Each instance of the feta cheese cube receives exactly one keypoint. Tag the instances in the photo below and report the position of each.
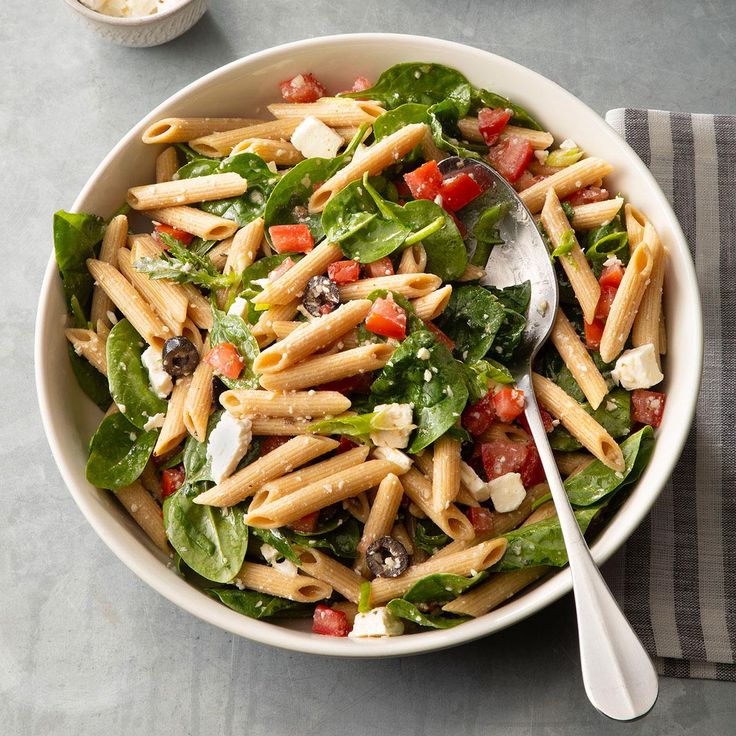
(315, 139)
(474, 483)
(395, 456)
(376, 622)
(637, 368)
(507, 492)
(392, 425)
(239, 308)
(156, 421)
(227, 444)
(160, 380)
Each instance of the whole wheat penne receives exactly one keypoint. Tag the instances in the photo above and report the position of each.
(410, 285)
(181, 130)
(266, 579)
(589, 216)
(357, 506)
(413, 260)
(323, 369)
(432, 305)
(332, 111)
(197, 222)
(383, 512)
(244, 248)
(578, 360)
(173, 430)
(340, 578)
(538, 138)
(146, 512)
(102, 330)
(541, 513)
(167, 164)
(283, 327)
(662, 334)
(114, 238)
(186, 191)
(280, 426)
(578, 422)
(325, 492)
(430, 150)
(89, 345)
(149, 479)
(446, 476)
(425, 463)
(635, 223)
(570, 463)
(276, 313)
(198, 307)
(400, 533)
(471, 273)
(564, 182)
(646, 328)
(465, 562)
(582, 279)
(198, 401)
(288, 456)
(376, 158)
(312, 336)
(222, 143)
(245, 402)
(282, 153)
(218, 254)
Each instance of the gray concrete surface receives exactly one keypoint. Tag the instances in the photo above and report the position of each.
(85, 647)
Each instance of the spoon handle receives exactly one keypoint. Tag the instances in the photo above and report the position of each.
(618, 674)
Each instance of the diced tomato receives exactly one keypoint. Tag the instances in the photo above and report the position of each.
(480, 517)
(441, 336)
(459, 190)
(271, 443)
(181, 235)
(171, 480)
(302, 88)
(402, 189)
(612, 275)
(281, 269)
(345, 444)
(291, 238)
(546, 420)
(511, 156)
(647, 407)
(479, 416)
(360, 84)
(509, 403)
(608, 294)
(531, 469)
(424, 182)
(329, 622)
(526, 180)
(587, 195)
(381, 267)
(357, 384)
(501, 457)
(594, 333)
(491, 122)
(307, 524)
(344, 272)
(386, 318)
(225, 360)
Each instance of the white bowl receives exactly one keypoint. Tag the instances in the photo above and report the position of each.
(244, 87)
(145, 31)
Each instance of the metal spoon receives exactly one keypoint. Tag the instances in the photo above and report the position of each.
(618, 674)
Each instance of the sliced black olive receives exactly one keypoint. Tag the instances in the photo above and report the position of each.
(387, 558)
(179, 356)
(218, 387)
(321, 296)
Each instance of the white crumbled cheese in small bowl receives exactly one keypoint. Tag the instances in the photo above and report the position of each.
(130, 8)
(507, 492)
(377, 622)
(227, 445)
(637, 368)
(160, 380)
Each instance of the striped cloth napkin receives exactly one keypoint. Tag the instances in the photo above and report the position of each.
(676, 576)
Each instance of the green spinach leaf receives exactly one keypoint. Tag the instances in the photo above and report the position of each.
(231, 328)
(441, 587)
(278, 541)
(429, 537)
(485, 98)
(358, 426)
(342, 541)
(90, 380)
(260, 605)
(404, 609)
(516, 297)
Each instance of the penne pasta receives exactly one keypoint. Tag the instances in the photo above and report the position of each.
(432, 305)
(89, 345)
(266, 579)
(410, 285)
(186, 191)
(282, 153)
(181, 130)
(173, 430)
(446, 473)
(648, 320)
(167, 164)
(280, 426)
(337, 576)
(264, 328)
(223, 142)
(114, 239)
(570, 463)
(333, 111)
(383, 512)
(198, 401)
(413, 260)
(146, 512)
(596, 214)
(197, 222)
(539, 139)
(245, 402)
(635, 223)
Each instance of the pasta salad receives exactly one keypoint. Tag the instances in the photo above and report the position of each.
(303, 372)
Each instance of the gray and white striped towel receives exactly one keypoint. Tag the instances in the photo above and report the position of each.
(676, 577)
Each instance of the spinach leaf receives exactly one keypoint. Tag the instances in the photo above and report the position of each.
(393, 120)
(607, 240)
(186, 152)
(481, 373)
(420, 83)
(486, 233)
(211, 540)
(128, 376)
(509, 335)
(516, 297)
(90, 380)
(441, 587)
(359, 426)
(75, 238)
(403, 609)
(429, 537)
(260, 605)
(443, 119)
(472, 319)
(567, 241)
(439, 401)
(232, 328)
(257, 271)
(278, 541)
(485, 98)
(118, 452)
(342, 541)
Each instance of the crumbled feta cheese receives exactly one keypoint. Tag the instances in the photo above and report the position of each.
(111, 316)
(612, 261)
(507, 492)
(228, 443)
(637, 368)
(427, 376)
(393, 425)
(376, 622)
(568, 144)
(239, 307)
(474, 483)
(423, 354)
(156, 421)
(395, 456)
(159, 379)
(285, 567)
(130, 8)
(315, 139)
(541, 156)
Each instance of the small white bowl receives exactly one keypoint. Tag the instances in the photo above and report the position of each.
(144, 31)
(244, 88)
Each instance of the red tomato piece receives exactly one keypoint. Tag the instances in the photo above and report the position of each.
(344, 272)
(501, 457)
(358, 384)
(225, 360)
(491, 122)
(546, 420)
(291, 238)
(171, 480)
(329, 622)
(509, 403)
(594, 333)
(381, 267)
(441, 336)
(526, 180)
(479, 416)
(302, 88)
(612, 275)
(587, 195)
(647, 407)
(531, 469)
(511, 156)
(271, 443)
(345, 444)
(608, 294)
(307, 524)
(281, 269)
(181, 235)
(459, 190)
(386, 318)
(480, 517)
(402, 189)
(425, 182)
(360, 84)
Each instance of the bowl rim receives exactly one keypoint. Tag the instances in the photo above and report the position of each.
(138, 558)
(137, 20)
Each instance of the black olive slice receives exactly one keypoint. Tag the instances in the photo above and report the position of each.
(387, 558)
(321, 296)
(179, 356)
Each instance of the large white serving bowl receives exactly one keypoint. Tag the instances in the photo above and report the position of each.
(245, 87)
